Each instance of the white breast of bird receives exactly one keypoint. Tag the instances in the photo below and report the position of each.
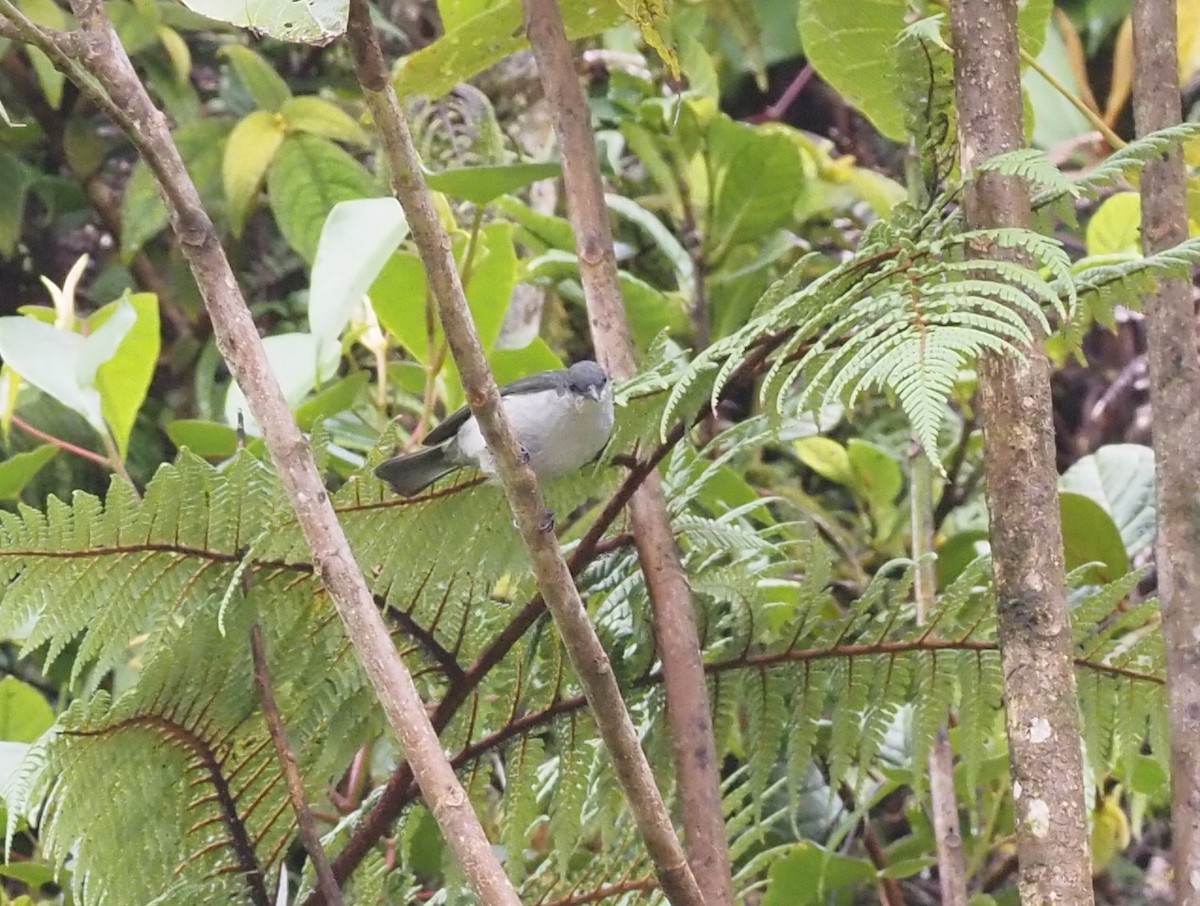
(561, 432)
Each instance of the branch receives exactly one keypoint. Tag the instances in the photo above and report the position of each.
(693, 745)
(1033, 621)
(1174, 389)
(238, 340)
(520, 485)
(307, 827)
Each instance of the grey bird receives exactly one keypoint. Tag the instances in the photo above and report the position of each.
(562, 420)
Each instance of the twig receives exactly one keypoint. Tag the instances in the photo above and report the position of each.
(125, 97)
(520, 484)
(689, 713)
(69, 447)
(306, 826)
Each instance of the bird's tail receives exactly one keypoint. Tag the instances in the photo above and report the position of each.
(414, 472)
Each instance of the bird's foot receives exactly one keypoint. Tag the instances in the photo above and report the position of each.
(523, 454)
(547, 522)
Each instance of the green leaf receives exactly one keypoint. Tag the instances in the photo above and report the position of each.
(264, 84)
(1120, 478)
(398, 296)
(827, 458)
(487, 38)
(32, 874)
(124, 380)
(251, 149)
(136, 24)
(19, 468)
(63, 364)
(509, 365)
(317, 116)
(24, 713)
(357, 240)
(878, 479)
(337, 397)
(1116, 227)
(808, 874)
(483, 185)
(1089, 534)
(850, 46)
(312, 22)
(14, 183)
(493, 274)
(757, 175)
(957, 552)
(50, 14)
(143, 214)
(307, 178)
(212, 440)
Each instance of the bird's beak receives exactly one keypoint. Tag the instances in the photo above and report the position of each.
(595, 392)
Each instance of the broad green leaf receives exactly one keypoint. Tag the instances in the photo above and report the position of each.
(509, 365)
(33, 875)
(14, 184)
(300, 364)
(19, 468)
(483, 185)
(660, 235)
(264, 84)
(337, 397)
(850, 46)
(809, 874)
(827, 458)
(136, 24)
(143, 214)
(544, 230)
(178, 53)
(399, 296)
(307, 178)
(757, 174)
(957, 552)
(124, 380)
(1089, 534)
(878, 479)
(1115, 228)
(63, 364)
(489, 285)
(317, 116)
(24, 712)
(358, 238)
(251, 148)
(455, 12)
(1055, 119)
(1119, 477)
(295, 21)
(487, 38)
(212, 440)
(50, 14)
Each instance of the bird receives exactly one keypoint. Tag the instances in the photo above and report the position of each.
(562, 419)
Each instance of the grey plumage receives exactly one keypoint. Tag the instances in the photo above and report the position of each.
(562, 419)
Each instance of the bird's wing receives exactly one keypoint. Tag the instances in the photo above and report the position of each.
(545, 380)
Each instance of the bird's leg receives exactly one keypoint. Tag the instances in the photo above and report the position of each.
(547, 522)
(523, 454)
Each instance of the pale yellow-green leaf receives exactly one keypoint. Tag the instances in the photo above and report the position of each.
(178, 52)
(649, 16)
(317, 116)
(252, 146)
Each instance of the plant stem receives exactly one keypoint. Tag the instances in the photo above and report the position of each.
(69, 447)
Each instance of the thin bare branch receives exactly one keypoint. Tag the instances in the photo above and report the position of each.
(306, 825)
(520, 485)
(125, 98)
(688, 710)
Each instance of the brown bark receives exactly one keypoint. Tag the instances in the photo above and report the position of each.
(1174, 390)
(1042, 717)
(520, 485)
(688, 710)
(102, 55)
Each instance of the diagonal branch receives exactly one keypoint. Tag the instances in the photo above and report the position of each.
(692, 742)
(520, 485)
(126, 99)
